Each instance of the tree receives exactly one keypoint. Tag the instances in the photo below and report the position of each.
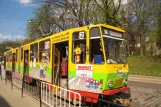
(73, 12)
(66, 14)
(110, 11)
(42, 24)
(142, 14)
(158, 32)
(5, 45)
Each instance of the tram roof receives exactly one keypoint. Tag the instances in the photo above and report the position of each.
(88, 26)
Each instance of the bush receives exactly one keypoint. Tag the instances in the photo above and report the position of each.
(145, 65)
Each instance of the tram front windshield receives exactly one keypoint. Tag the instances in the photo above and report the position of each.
(115, 50)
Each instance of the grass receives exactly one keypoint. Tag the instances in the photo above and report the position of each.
(146, 65)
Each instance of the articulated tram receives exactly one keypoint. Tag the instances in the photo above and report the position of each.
(90, 60)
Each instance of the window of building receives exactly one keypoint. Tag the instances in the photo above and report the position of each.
(79, 47)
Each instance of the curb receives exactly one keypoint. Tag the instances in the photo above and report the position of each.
(145, 79)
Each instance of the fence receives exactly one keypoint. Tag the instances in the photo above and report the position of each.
(32, 88)
(17, 79)
(55, 96)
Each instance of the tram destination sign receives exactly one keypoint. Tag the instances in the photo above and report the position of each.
(112, 33)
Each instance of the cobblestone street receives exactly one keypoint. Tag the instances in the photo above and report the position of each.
(146, 94)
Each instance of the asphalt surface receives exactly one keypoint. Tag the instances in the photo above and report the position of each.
(145, 85)
(145, 94)
(12, 97)
(145, 79)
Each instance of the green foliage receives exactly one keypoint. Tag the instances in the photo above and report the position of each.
(145, 65)
(110, 11)
(158, 35)
(41, 24)
(8, 44)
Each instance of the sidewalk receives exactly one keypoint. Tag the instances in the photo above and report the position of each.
(145, 79)
(12, 97)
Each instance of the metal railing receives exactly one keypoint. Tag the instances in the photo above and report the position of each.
(32, 89)
(8, 76)
(17, 79)
(55, 96)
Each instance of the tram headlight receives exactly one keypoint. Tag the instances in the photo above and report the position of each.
(110, 84)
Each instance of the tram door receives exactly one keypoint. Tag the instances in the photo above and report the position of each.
(56, 65)
(60, 64)
(13, 62)
(26, 63)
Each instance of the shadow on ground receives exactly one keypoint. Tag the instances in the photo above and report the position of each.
(3, 102)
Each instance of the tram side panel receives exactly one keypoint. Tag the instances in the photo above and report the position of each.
(17, 61)
(40, 60)
(9, 61)
(21, 56)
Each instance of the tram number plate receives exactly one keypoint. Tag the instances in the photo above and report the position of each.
(118, 82)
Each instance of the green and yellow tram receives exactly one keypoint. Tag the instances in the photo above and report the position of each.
(90, 60)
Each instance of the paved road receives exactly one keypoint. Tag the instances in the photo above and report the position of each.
(146, 94)
(12, 98)
(143, 94)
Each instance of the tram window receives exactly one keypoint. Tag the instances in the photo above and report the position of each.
(34, 52)
(79, 47)
(16, 55)
(6, 57)
(10, 56)
(44, 50)
(21, 54)
(115, 51)
(96, 50)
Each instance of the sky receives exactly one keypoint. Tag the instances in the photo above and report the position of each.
(14, 15)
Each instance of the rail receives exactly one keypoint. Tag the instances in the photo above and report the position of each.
(53, 96)
(17, 79)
